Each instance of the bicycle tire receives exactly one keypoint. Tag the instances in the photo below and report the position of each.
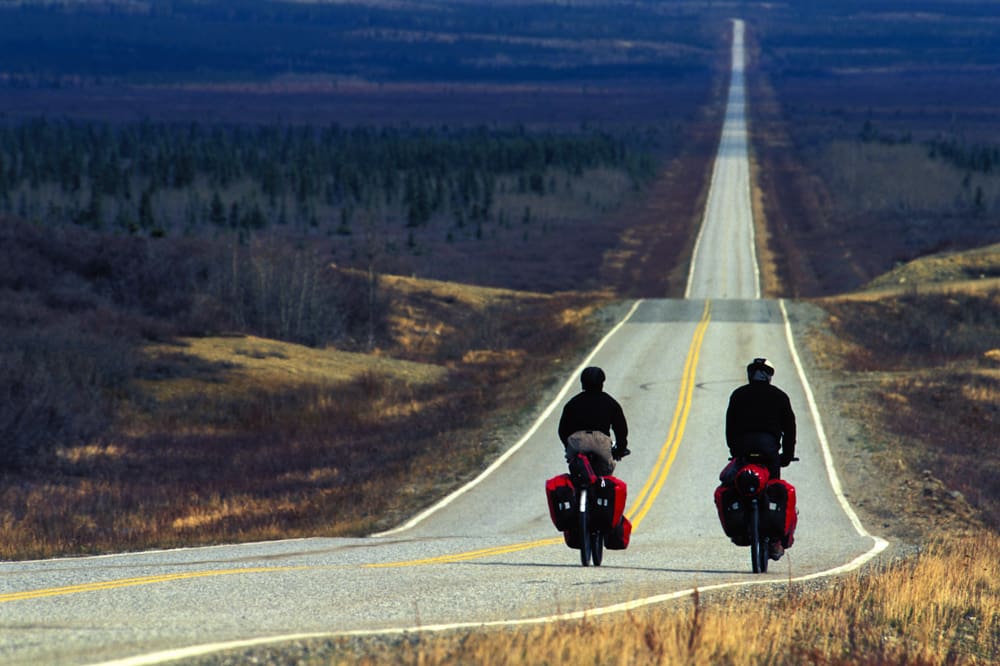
(758, 546)
(584, 527)
(597, 548)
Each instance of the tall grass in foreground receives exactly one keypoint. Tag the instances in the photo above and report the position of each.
(941, 607)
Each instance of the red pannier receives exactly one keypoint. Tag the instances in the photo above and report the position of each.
(562, 501)
(618, 538)
(609, 502)
(733, 514)
(779, 516)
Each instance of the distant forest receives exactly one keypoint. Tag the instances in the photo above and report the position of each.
(156, 179)
(171, 40)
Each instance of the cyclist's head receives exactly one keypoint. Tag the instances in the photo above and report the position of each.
(760, 370)
(592, 378)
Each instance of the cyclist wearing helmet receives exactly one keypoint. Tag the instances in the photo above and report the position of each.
(760, 419)
(588, 420)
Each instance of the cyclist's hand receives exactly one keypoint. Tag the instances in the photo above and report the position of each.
(619, 452)
(786, 459)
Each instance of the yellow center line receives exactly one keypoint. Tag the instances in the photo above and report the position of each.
(644, 500)
(640, 507)
(131, 582)
(470, 555)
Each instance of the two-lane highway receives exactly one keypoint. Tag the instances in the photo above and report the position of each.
(488, 554)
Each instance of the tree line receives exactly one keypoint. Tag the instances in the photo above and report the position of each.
(156, 178)
(974, 157)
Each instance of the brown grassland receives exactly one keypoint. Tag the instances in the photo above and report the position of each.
(240, 438)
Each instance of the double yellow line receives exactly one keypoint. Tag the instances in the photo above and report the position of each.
(470, 555)
(657, 477)
(640, 507)
(644, 500)
(131, 582)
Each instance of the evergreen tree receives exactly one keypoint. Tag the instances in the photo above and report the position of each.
(146, 218)
(217, 211)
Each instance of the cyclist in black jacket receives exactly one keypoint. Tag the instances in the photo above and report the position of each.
(760, 419)
(588, 420)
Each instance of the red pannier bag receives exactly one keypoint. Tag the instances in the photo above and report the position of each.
(780, 517)
(619, 537)
(609, 502)
(562, 500)
(732, 510)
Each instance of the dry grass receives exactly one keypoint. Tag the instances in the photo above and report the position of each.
(928, 352)
(874, 176)
(956, 270)
(237, 366)
(941, 607)
(227, 439)
(925, 357)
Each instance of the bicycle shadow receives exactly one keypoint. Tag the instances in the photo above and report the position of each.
(604, 566)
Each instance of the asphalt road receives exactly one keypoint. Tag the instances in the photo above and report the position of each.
(489, 553)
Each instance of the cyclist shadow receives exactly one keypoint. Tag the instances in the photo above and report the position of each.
(616, 567)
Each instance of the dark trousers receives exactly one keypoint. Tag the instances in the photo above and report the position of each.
(763, 444)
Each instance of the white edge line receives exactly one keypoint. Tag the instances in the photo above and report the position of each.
(738, 32)
(708, 199)
(513, 449)
(737, 29)
(447, 500)
(880, 544)
(701, 232)
(209, 648)
(72, 559)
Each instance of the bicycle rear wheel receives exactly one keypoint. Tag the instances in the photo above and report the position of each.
(597, 548)
(758, 545)
(584, 526)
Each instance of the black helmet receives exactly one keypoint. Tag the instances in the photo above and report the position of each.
(592, 378)
(760, 370)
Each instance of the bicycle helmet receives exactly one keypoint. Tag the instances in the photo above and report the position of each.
(760, 370)
(592, 378)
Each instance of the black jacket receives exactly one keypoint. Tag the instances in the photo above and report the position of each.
(594, 410)
(761, 407)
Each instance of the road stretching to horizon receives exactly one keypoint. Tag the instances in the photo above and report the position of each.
(488, 555)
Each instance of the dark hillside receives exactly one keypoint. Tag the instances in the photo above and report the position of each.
(175, 40)
(875, 127)
(76, 307)
(153, 391)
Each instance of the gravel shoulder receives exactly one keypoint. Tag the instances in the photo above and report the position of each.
(894, 501)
